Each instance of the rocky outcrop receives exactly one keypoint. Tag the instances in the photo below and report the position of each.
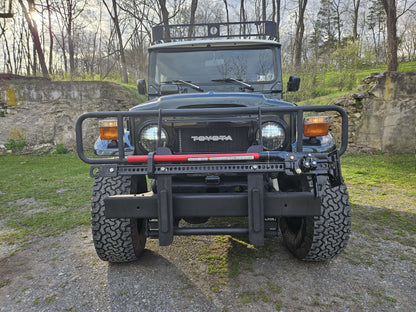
(383, 116)
(44, 112)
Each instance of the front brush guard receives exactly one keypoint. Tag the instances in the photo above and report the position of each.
(256, 204)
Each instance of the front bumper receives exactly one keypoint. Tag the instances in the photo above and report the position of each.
(256, 203)
(276, 204)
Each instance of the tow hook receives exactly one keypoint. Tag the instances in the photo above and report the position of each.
(308, 163)
(301, 164)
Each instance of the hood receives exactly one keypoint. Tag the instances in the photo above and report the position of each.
(211, 99)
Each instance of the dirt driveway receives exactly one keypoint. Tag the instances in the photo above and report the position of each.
(207, 274)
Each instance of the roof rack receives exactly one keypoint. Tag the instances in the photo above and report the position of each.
(258, 29)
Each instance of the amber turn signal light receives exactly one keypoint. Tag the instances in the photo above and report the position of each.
(108, 130)
(315, 126)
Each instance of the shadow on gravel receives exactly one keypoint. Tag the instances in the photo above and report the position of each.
(153, 283)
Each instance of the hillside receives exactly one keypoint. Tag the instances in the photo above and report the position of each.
(320, 88)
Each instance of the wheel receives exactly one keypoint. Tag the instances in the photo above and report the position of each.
(116, 240)
(320, 238)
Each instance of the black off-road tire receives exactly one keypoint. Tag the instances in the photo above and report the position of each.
(115, 240)
(320, 238)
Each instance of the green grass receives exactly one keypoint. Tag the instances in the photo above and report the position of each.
(382, 192)
(132, 89)
(324, 99)
(386, 170)
(42, 195)
(323, 86)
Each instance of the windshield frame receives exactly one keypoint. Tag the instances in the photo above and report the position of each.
(153, 54)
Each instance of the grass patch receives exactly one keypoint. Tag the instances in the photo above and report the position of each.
(43, 195)
(5, 283)
(228, 256)
(132, 89)
(381, 171)
(383, 195)
(254, 296)
(319, 86)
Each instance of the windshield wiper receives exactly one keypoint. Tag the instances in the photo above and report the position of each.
(186, 83)
(236, 81)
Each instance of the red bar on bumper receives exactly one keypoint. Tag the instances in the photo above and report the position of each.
(194, 157)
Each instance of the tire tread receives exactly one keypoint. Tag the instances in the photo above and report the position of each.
(114, 239)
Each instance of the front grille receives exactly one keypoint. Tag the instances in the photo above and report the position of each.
(213, 139)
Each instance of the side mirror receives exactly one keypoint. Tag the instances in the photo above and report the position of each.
(293, 84)
(141, 86)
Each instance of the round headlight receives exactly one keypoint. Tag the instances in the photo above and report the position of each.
(273, 136)
(148, 138)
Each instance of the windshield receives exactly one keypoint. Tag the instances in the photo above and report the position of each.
(205, 66)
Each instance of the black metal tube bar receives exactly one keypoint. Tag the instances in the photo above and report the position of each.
(260, 129)
(299, 132)
(159, 128)
(120, 130)
(212, 111)
(209, 231)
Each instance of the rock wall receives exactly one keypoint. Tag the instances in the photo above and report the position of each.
(383, 118)
(44, 112)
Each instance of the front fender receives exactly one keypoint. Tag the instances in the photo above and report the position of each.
(320, 144)
(110, 148)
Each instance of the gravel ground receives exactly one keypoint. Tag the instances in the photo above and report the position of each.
(64, 274)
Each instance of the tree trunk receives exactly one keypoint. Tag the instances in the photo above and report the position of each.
(35, 64)
(48, 6)
(6, 53)
(120, 42)
(228, 16)
(356, 4)
(165, 18)
(276, 9)
(71, 51)
(35, 37)
(390, 9)
(300, 30)
(242, 16)
(194, 5)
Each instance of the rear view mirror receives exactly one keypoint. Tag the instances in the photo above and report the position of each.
(293, 84)
(141, 86)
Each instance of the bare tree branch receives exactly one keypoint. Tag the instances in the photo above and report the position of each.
(405, 10)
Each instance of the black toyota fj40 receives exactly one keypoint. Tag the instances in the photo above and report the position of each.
(216, 140)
